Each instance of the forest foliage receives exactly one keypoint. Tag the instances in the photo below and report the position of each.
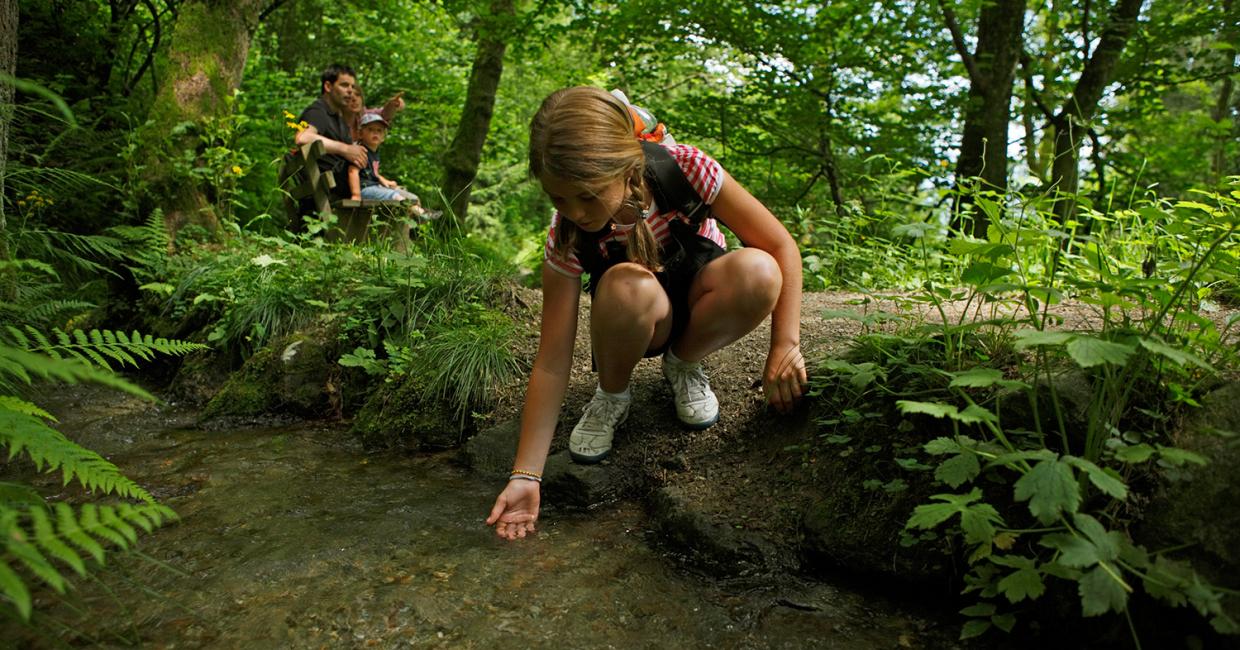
(906, 145)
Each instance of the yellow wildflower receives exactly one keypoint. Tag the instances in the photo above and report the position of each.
(236, 169)
(289, 116)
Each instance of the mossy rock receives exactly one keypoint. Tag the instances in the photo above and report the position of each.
(296, 375)
(1194, 507)
(405, 415)
(200, 377)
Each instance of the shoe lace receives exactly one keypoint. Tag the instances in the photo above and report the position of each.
(689, 381)
(601, 413)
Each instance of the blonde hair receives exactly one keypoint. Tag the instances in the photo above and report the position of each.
(586, 135)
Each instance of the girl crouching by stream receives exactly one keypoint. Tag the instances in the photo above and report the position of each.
(640, 219)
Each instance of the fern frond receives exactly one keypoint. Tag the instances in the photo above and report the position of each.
(67, 524)
(18, 405)
(26, 365)
(34, 542)
(45, 535)
(50, 449)
(12, 587)
(92, 348)
(50, 311)
(70, 250)
(17, 546)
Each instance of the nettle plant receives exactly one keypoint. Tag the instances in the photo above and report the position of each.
(1048, 501)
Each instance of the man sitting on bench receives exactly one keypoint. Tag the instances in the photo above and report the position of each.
(326, 121)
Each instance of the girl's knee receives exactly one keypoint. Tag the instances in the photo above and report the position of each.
(755, 277)
(629, 287)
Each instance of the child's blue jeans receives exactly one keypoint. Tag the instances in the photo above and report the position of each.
(381, 193)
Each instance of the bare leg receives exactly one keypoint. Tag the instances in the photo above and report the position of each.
(629, 315)
(729, 298)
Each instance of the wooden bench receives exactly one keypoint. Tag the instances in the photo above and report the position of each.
(301, 181)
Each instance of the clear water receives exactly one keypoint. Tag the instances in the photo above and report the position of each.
(292, 537)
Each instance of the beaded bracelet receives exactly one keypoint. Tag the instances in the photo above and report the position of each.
(526, 475)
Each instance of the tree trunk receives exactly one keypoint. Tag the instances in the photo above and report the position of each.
(1223, 106)
(992, 70)
(1076, 112)
(206, 58)
(8, 67)
(464, 154)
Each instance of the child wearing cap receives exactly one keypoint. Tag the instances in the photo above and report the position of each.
(368, 183)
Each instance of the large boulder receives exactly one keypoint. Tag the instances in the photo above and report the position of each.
(403, 414)
(297, 375)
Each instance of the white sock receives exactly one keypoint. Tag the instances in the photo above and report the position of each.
(623, 396)
(677, 361)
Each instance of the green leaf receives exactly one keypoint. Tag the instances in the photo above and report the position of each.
(1106, 481)
(933, 409)
(1180, 357)
(928, 516)
(974, 414)
(34, 560)
(1074, 551)
(976, 378)
(1089, 351)
(1134, 453)
(1024, 582)
(14, 589)
(974, 628)
(69, 528)
(979, 610)
(1050, 488)
(977, 522)
(45, 536)
(1106, 543)
(1166, 580)
(1029, 338)
(1004, 622)
(958, 469)
(1178, 457)
(940, 446)
(1101, 592)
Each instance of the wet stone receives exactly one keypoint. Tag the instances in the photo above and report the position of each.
(491, 451)
(573, 485)
(706, 543)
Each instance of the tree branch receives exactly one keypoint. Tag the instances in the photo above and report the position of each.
(150, 54)
(953, 26)
(275, 4)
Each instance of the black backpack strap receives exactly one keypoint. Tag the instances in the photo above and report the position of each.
(669, 185)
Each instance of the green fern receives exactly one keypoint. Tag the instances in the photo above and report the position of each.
(37, 539)
(97, 347)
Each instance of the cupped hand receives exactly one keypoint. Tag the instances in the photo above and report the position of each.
(515, 510)
(784, 380)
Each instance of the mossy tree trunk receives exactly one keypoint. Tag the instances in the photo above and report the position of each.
(464, 154)
(206, 58)
(992, 71)
(8, 68)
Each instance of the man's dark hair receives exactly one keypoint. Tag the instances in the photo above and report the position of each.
(332, 72)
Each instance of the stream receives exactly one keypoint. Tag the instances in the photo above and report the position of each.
(292, 536)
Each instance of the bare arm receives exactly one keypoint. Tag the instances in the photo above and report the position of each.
(355, 154)
(355, 183)
(516, 508)
(393, 106)
(549, 378)
(757, 227)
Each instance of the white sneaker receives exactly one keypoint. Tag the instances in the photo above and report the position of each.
(696, 405)
(590, 441)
